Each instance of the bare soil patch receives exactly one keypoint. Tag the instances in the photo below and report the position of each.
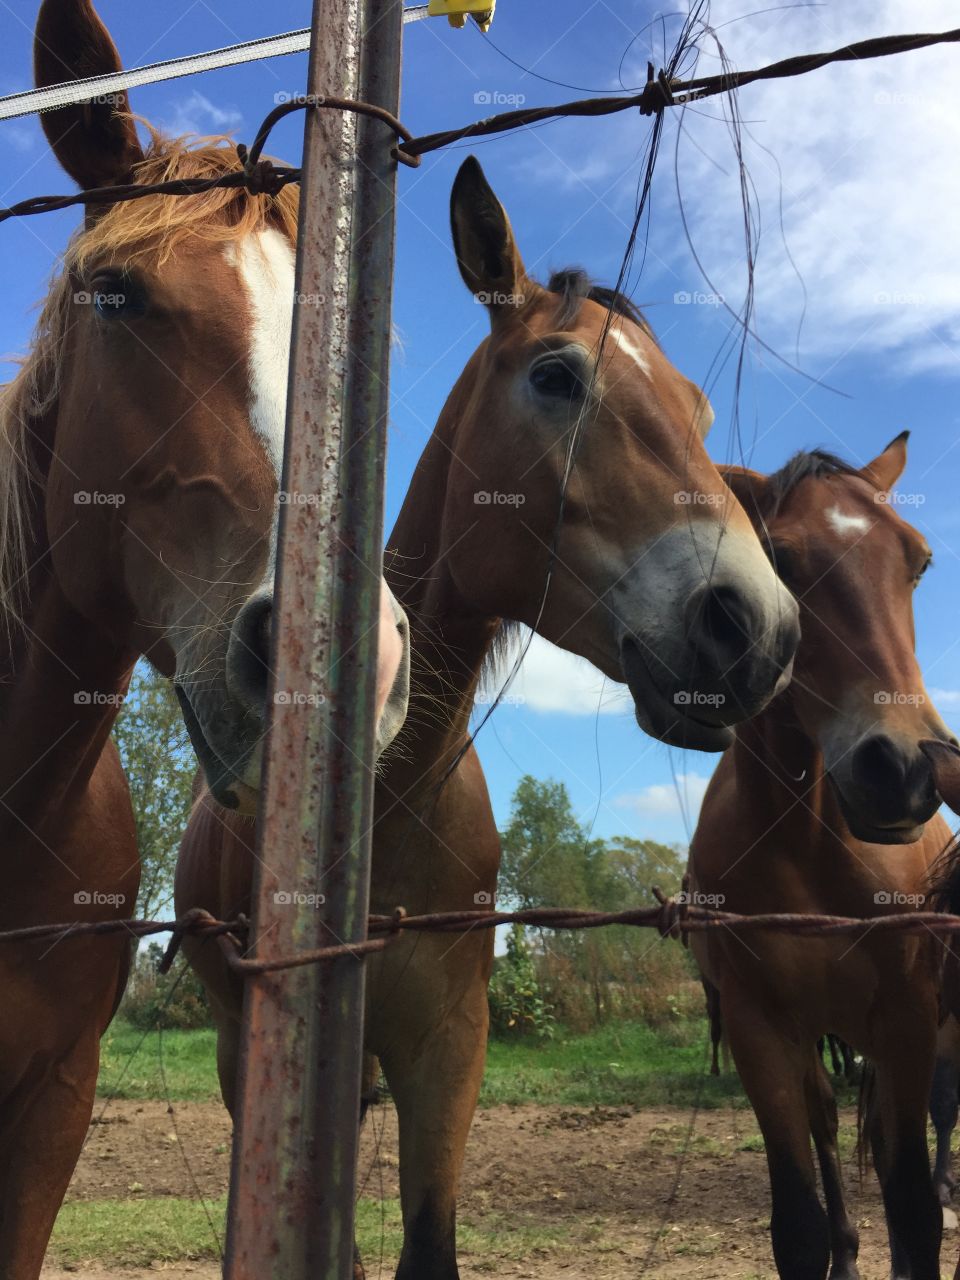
(615, 1193)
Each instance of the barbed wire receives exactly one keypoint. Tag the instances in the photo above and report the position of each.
(672, 917)
(661, 91)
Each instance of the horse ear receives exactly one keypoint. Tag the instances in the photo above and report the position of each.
(96, 142)
(483, 240)
(885, 470)
(752, 491)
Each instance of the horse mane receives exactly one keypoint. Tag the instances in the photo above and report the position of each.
(149, 229)
(808, 463)
(573, 284)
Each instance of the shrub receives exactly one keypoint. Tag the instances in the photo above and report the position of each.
(170, 1001)
(518, 1006)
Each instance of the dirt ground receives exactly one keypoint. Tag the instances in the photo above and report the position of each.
(608, 1191)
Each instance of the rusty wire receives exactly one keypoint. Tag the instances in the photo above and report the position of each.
(261, 176)
(671, 917)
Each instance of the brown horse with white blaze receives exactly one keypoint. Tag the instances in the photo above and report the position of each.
(139, 454)
(827, 804)
(626, 549)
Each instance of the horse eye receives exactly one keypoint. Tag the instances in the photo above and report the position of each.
(556, 378)
(116, 296)
(926, 565)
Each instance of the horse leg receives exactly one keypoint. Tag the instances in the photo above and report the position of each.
(822, 1113)
(434, 1066)
(43, 1124)
(943, 1114)
(773, 1067)
(224, 992)
(899, 1139)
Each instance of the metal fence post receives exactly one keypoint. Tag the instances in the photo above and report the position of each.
(295, 1148)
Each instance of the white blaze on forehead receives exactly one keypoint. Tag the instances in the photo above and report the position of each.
(630, 347)
(266, 263)
(847, 526)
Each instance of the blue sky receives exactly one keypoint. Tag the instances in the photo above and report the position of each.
(857, 188)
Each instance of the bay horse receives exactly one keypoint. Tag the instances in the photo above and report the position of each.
(139, 451)
(826, 803)
(565, 486)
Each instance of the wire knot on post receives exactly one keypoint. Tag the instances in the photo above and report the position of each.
(190, 922)
(673, 913)
(657, 92)
(261, 177)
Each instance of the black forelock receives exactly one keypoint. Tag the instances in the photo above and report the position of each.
(573, 285)
(808, 463)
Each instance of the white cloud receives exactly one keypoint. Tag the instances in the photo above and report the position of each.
(945, 699)
(866, 154)
(870, 185)
(552, 680)
(197, 114)
(667, 799)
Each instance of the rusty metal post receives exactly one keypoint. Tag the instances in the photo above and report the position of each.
(295, 1147)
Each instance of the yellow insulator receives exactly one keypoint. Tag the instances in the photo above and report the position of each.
(457, 11)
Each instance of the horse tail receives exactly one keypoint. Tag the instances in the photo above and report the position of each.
(715, 1018)
(866, 1116)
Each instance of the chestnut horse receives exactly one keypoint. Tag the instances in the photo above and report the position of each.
(943, 1097)
(139, 453)
(826, 803)
(565, 486)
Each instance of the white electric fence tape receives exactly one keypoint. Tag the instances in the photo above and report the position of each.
(104, 87)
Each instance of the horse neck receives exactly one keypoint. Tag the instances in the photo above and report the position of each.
(62, 685)
(449, 640)
(782, 769)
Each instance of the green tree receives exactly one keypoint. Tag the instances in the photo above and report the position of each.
(550, 859)
(546, 854)
(629, 869)
(159, 765)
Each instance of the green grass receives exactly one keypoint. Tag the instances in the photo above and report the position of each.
(623, 1064)
(135, 1233)
(130, 1064)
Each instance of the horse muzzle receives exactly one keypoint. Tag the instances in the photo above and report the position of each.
(886, 788)
(227, 723)
(720, 647)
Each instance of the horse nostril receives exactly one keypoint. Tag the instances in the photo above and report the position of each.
(879, 763)
(249, 655)
(720, 618)
(261, 637)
